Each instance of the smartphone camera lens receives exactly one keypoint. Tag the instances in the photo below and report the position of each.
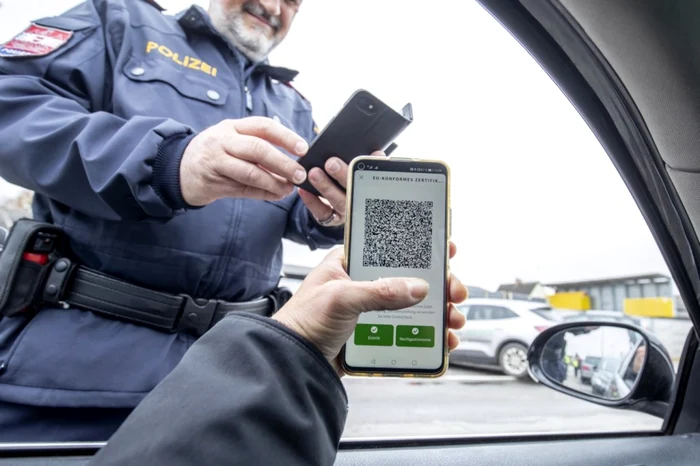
(366, 105)
(360, 166)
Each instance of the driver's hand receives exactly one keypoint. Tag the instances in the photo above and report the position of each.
(326, 307)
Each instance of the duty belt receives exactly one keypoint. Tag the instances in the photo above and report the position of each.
(35, 272)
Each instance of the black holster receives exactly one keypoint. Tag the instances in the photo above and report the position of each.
(28, 254)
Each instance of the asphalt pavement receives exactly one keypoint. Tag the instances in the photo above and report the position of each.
(466, 402)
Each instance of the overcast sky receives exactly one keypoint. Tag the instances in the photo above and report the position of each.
(534, 194)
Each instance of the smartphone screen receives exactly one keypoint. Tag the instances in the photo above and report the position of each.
(399, 228)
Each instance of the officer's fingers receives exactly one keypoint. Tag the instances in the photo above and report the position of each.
(328, 190)
(455, 319)
(316, 206)
(338, 170)
(249, 177)
(452, 341)
(383, 294)
(260, 152)
(273, 132)
(453, 249)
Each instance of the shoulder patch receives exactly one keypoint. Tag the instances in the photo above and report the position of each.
(35, 41)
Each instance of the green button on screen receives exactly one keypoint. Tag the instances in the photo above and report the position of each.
(374, 335)
(413, 335)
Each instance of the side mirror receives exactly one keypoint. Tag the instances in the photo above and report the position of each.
(634, 370)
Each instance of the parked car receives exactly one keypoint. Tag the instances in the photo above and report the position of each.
(588, 368)
(604, 376)
(498, 333)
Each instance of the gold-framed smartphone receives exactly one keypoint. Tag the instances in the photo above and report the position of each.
(398, 225)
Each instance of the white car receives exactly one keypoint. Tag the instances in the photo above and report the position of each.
(499, 332)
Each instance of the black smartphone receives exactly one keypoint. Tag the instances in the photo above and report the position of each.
(364, 125)
(398, 225)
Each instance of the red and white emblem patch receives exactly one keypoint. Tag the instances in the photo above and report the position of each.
(35, 41)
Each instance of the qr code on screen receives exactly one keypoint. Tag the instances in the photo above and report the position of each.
(398, 234)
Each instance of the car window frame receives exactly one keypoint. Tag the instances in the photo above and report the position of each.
(521, 20)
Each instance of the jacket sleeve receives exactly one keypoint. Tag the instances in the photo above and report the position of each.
(248, 392)
(301, 227)
(59, 137)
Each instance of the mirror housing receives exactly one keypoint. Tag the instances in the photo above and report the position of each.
(651, 394)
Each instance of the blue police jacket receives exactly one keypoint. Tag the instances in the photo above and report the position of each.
(95, 125)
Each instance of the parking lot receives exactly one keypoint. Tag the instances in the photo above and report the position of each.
(466, 402)
(470, 402)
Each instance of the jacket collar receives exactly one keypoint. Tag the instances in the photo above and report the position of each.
(196, 19)
(155, 4)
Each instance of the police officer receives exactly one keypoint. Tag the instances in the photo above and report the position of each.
(289, 406)
(165, 148)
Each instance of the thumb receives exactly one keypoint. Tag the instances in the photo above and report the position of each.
(385, 294)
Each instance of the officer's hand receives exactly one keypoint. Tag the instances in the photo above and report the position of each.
(327, 305)
(237, 158)
(333, 202)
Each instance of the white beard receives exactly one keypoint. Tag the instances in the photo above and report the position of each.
(252, 42)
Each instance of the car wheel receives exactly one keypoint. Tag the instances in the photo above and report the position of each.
(513, 360)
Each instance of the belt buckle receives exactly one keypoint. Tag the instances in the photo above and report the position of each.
(196, 315)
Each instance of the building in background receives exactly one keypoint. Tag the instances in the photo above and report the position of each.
(609, 294)
(528, 290)
(632, 294)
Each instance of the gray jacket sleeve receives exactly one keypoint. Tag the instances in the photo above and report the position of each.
(248, 392)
